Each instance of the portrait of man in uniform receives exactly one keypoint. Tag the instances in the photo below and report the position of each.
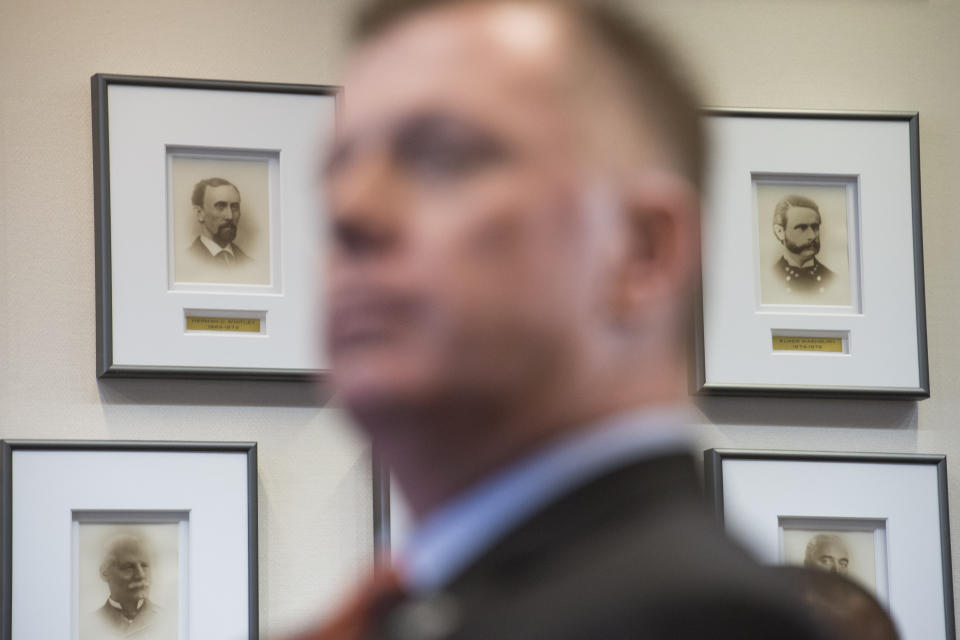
(802, 234)
(128, 582)
(219, 210)
(796, 225)
(126, 568)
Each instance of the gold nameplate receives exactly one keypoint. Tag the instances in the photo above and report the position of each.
(208, 323)
(807, 343)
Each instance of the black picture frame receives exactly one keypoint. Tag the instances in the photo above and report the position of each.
(106, 364)
(714, 459)
(700, 382)
(382, 531)
(9, 447)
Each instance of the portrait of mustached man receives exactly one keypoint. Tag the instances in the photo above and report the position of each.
(128, 612)
(796, 225)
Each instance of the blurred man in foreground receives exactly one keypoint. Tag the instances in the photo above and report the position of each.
(842, 607)
(514, 199)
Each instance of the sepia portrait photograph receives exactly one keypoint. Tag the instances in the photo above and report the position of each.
(219, 207)
(849, 553)
(803, 235)
(128, 581)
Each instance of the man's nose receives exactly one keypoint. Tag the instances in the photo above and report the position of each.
(138, 571)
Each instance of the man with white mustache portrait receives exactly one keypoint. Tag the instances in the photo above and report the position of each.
(128, 612)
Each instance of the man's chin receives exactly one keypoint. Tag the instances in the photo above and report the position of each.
(377, 391)
(802, 257)
(224, 239)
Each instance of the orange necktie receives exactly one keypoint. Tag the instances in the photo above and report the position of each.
(362, 612)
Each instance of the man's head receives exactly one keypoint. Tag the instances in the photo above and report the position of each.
(513, 195)
(828, 552)
(126, 569)
(796, 224)
(217, 205)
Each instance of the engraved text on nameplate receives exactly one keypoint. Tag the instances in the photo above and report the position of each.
(210, 323)
(808, 343)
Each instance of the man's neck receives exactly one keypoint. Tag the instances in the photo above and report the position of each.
(209, 236)
(434, 464)
(129, 609)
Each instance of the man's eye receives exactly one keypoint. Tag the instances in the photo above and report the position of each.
(444, 149)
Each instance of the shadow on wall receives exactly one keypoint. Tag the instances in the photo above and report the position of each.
(220, 393)
(807, 412)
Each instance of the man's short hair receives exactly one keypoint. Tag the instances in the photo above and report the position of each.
(665, 103)
(200, 189)
(780, 211)
(122, 540)
(817, 543)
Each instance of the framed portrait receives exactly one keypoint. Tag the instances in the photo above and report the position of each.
(880, 519)
(208, 235)
(812, 256)
(152, 540)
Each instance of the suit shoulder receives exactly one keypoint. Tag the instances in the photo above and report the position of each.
(240, 254)
(198, 249)
(662, 582)
(826, 271)
(662, 571)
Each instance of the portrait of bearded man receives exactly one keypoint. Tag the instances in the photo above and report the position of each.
(796, 225)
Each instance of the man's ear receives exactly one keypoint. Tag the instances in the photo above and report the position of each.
(778, 232)
(662, 233)
(197, 209)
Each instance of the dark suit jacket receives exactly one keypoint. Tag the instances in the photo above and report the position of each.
(199, 251)
(632, 555)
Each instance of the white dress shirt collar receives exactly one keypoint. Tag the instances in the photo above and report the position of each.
(213, 247)
(116, 605)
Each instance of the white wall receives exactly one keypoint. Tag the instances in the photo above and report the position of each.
(314, 473)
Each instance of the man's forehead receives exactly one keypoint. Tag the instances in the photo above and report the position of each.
(223, 191)
(464, 52)
(130, 550)
(796, 212)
